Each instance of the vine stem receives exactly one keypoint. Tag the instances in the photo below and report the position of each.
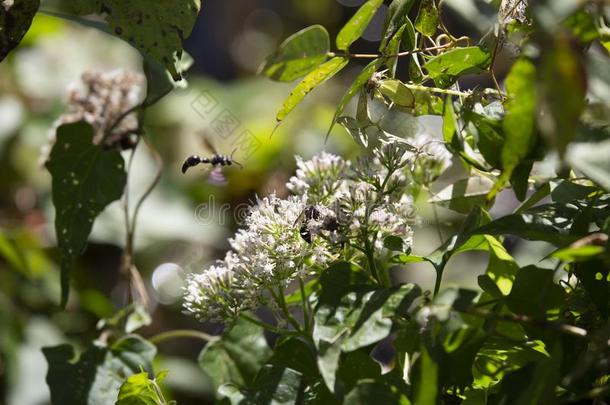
(306, 309)
(396, 55)
(180, 334)
(522, 319)
(438, 280)
(268, 326)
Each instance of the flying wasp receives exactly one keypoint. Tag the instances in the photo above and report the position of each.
(217, 161)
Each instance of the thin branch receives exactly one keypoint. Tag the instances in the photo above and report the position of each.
(150, 188)
(523, 319)
(182, 333)
(396, 55)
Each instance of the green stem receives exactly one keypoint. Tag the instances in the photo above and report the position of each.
(182, 333)
(282, 301)
(306, 310)
(396, 55)
(439, 279)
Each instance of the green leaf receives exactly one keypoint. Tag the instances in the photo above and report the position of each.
(578, 254)
(519, 122)
(562, 89)
(156, 29)
(396, 17)
(298, 55)
(369, 392)
(357, 24)
(519, 179)
(568, 192)
(295, 354)
(96, 377)
(313, 79)
(362, 318)
(394, 243)
(407, 258)
(447, 67)
(489, 136)
(86, 178)
(159, 81)
(534, 293)
(361, 80)
(591, 159)
(329, 354)
(15, 20)
(427, 18)
(393, 48)
(528, 225)
(426, 379)
(501, 269)
(398, 93)
(532, 384)
(137, 319)
(237, 357)
(138, 389)
(277, 386)
(464, 194)
(351, 317)
(593, 275)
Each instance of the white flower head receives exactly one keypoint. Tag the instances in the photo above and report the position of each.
(320, 177)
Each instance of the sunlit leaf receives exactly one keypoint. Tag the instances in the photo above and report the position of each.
(445, 68)
(520, 115)
(397, 92)
(355, 87)
(298, 55)
(562, 88)
(139, 389)
(313, 79)
(397, 14)
(427, 18)
(356, 26)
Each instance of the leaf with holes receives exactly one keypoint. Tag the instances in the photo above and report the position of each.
(156, 29)
(86, 178)
(15, 20)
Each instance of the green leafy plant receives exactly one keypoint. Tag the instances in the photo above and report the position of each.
(325, 262)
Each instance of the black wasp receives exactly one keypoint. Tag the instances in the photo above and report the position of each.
(216, 161)
(312, 213)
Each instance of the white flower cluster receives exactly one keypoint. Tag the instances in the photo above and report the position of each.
(337, 210)
(320, 178)
(267, 254)
(100, 99)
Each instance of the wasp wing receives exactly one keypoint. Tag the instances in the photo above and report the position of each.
(217, 177)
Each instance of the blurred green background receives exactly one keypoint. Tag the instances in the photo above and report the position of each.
(185, 223)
